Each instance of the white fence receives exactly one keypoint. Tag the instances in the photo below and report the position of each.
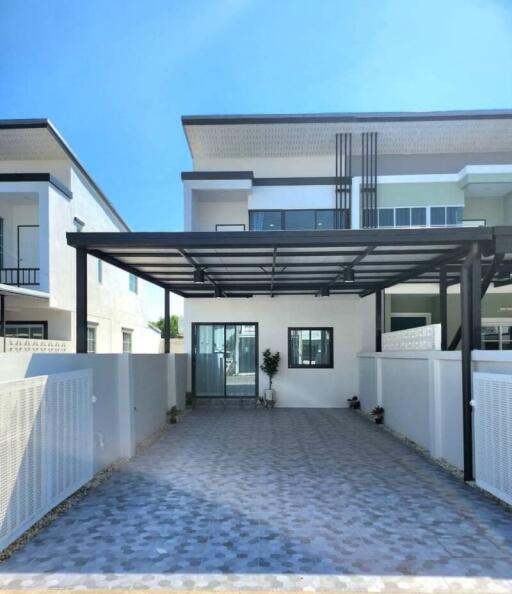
(492, 398)
(423, 338)
(46, 446)
(421, 395)
(12, 344)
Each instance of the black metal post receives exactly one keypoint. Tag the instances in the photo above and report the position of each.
(443, 309)
(81, 300)
(167, 322)
(476, 296)
(2, 315)
(378, 321)
(468, 296)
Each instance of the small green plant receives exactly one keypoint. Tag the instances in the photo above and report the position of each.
(270, 365)
(172, 415)
(378, 415)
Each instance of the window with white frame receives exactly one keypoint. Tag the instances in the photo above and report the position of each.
(91, 339)
(99, 271)
(127, 340)
(421, 216)
(133, 284)
(497, 336)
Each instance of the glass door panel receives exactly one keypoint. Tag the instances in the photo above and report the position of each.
(240, 360)
(225, 359)
(209, 358)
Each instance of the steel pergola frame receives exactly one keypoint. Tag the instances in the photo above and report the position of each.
(274, 263)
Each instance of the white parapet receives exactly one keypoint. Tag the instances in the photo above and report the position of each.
(12, 344)
(423, 338)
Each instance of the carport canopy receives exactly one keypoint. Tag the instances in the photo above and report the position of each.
(243, 264)
(320, 263)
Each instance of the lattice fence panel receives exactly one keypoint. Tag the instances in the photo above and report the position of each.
(493, 433)
(46, 446)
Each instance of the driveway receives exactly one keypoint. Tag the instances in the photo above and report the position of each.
(282, 499)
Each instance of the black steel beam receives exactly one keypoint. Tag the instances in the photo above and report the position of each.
(132, 269)
(489, 275)
(443, 305)
(167, 321)
(420, 269)
(248, 239)
(268, 254)
(81, 300)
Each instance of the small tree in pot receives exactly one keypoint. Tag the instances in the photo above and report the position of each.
(270, 367)
(378, 415)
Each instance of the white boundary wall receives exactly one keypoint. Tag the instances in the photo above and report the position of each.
(423, 338)
(132, 392)
(421, 392)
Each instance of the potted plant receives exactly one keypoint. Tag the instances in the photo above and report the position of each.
(270, 367)
(354, 403)
(378, 415)
(172, 415)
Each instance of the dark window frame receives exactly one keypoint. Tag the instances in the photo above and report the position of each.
(194, 326)
(310, 329)
(283, 212)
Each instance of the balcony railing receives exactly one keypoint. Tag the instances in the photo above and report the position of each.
(19, 277)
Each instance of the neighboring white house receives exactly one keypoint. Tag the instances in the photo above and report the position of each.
(273, 173)
(45, 192)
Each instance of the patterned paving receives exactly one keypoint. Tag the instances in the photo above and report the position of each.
(283, 499)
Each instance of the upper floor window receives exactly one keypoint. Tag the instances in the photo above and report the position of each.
(133, 284)
(91, 339)
(292, 220)
(421, 216)
(99, 271)
(127, 340)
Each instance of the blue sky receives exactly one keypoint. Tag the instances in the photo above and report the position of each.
(116, 76)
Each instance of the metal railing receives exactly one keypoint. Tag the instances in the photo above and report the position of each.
(19, 277)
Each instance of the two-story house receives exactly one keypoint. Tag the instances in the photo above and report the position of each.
(346, 171)
(44, 192)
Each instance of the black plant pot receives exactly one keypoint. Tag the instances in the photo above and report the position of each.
(379, 420)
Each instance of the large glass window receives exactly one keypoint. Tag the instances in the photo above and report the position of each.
(325, 219)
(419, 216)
(295, 220)
(438, 216)
(386, 217)
(265, 220)
(454, 215)
(310, 347)
(403, 217)
(26, 330)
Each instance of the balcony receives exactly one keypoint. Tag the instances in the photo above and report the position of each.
(19, 277)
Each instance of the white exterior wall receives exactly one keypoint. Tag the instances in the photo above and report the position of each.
(349, 316)
(111, 305)
(125, 413)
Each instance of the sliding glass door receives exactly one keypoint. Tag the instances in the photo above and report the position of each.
(225, 360)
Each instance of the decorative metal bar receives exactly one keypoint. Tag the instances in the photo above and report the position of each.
(369, 180)
(343, 189)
